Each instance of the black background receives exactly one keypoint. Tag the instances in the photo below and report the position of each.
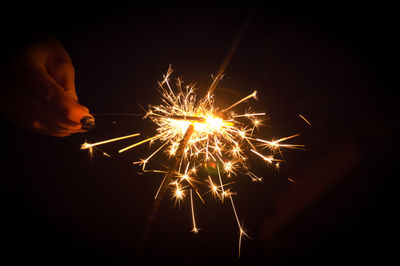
(334, 63)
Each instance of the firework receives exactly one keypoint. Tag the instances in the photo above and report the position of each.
(195, 133)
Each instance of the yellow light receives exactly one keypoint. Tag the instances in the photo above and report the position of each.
(214, 123)
(179, 193)
(218, 138)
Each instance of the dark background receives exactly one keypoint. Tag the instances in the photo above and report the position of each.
(336, 64)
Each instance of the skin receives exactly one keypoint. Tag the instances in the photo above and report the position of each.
(38, 89)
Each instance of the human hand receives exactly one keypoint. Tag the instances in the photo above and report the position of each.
(38, 89)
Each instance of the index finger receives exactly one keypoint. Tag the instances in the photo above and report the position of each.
(45, 89)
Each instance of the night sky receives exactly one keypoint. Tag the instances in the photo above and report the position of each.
(336, 65)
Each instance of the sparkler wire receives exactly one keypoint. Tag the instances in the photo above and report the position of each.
(230, 53)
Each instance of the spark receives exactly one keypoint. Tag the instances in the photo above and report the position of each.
(242, 231)
(214, 188)
(268, 159)
(302, 117)
(248, 115)
(276, 144)
(139, 143)
(195, 229)
(222, 185)
(161, 185)
(89, 145)
(253, 95)
(145, 161)
(106, 154)
(253, 177)
(179, 193)
(196, 135)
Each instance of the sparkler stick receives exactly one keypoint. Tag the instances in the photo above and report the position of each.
(178, 157)
(230, 53)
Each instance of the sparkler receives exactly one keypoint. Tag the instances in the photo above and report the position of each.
(195, 133)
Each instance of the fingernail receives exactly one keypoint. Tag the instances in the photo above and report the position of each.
(87, 122)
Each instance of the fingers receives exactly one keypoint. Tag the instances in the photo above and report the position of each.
(46, 90)
(59, 66)
(63, 73)
(41, 94)
(31, 114)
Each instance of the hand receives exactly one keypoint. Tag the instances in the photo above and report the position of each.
(38, 89)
